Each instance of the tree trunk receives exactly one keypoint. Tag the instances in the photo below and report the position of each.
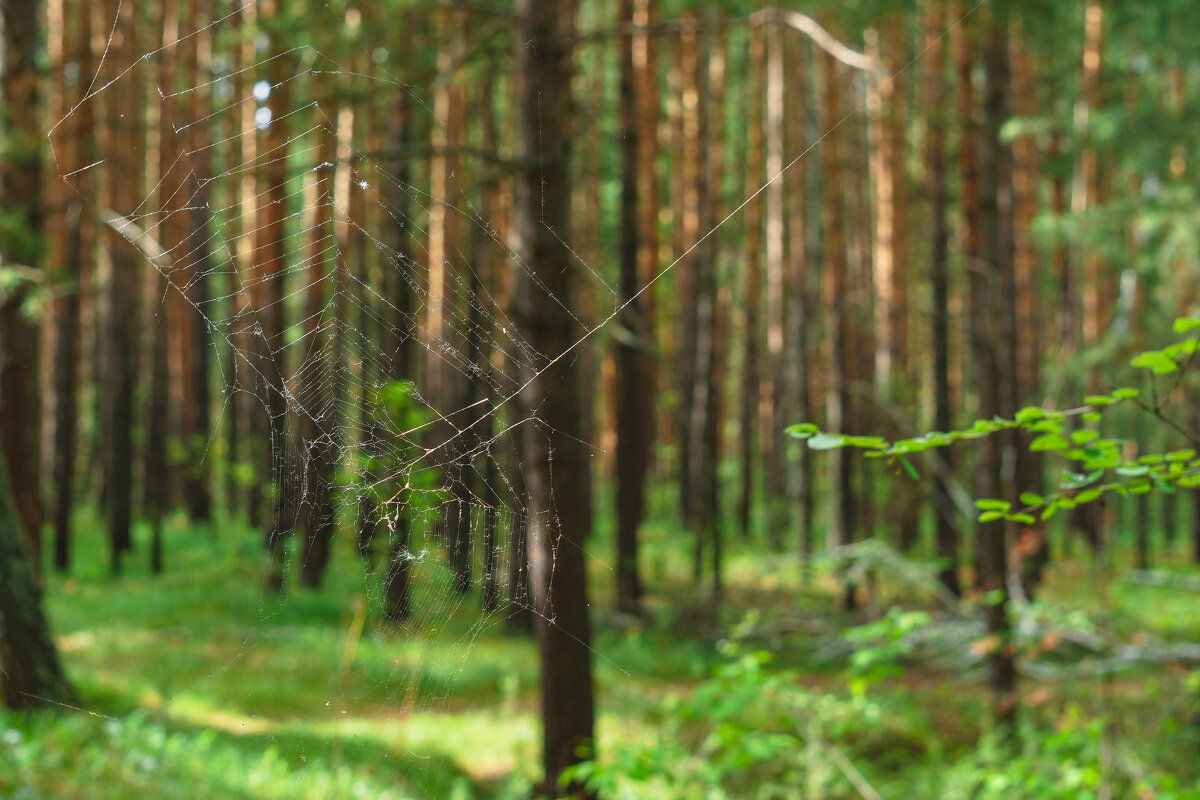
(755, 169)
(79, 152)
(121, 338)
(836, 290)
(630, 459)
(197, 492)
(558, 518)
(21, 176)
(773, 387)
(991, 341)
(267, 276)
(30, 673)
(939, 275)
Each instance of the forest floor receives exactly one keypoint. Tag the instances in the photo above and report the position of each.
(195, 685)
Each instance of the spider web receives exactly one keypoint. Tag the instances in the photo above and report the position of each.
(391, 383)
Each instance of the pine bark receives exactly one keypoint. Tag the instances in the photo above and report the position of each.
(630, 459)
(31, 674)
(558, 517)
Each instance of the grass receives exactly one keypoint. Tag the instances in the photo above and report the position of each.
(196, 685)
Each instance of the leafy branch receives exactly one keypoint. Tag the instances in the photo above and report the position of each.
(1098, 466)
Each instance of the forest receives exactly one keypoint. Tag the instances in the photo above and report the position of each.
(600, 399)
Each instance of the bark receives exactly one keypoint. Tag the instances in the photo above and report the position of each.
(801, 274)
(689, 169)
(267, 276)
(947, 532)
(169, 232)
(630, 458)
(31, 675)
(80, 151)
(121, 339)
(197, 492)
(558, 517)
(991, 338)
(755, 170)
(320, 332)
(836, 290)
(21, 190)
(773, 384)
(399, 341)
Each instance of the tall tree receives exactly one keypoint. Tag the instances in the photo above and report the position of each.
(78, 151)
(268, 271)
(123, 188)
(750, 394)
(835, 293)
(20, 250)
(558, 518)
(992, 304)
(30, 672)
(773, 385)
(947, 534)
(630, 461)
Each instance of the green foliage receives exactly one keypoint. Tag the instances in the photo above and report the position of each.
(1096, 463)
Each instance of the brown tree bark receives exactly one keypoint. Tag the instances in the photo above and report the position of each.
(773, 385)
(630, 459)
(267, 279)
(836, 291)
(750, 393)
(78, 145)
(400, 340)
(121, 339)
(31, 675)
(197, 491)
(21, 192)
(992, 305)
(947, 530)
(558, 520)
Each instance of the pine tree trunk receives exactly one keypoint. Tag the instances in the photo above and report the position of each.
(630, 459)
(755, 169)
(30, 673)
(947, 532)
(558, 517)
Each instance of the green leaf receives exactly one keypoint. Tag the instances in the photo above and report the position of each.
(1031, 499)
(1132, 470)
(1185, 324)
(1030, 414)
(802, 431)
(993, 505)
(1048, 442)
(1082, 437)
(1024, 519)
(1098, 400)
(1125, 394)
(991, 516)
(827, 441)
